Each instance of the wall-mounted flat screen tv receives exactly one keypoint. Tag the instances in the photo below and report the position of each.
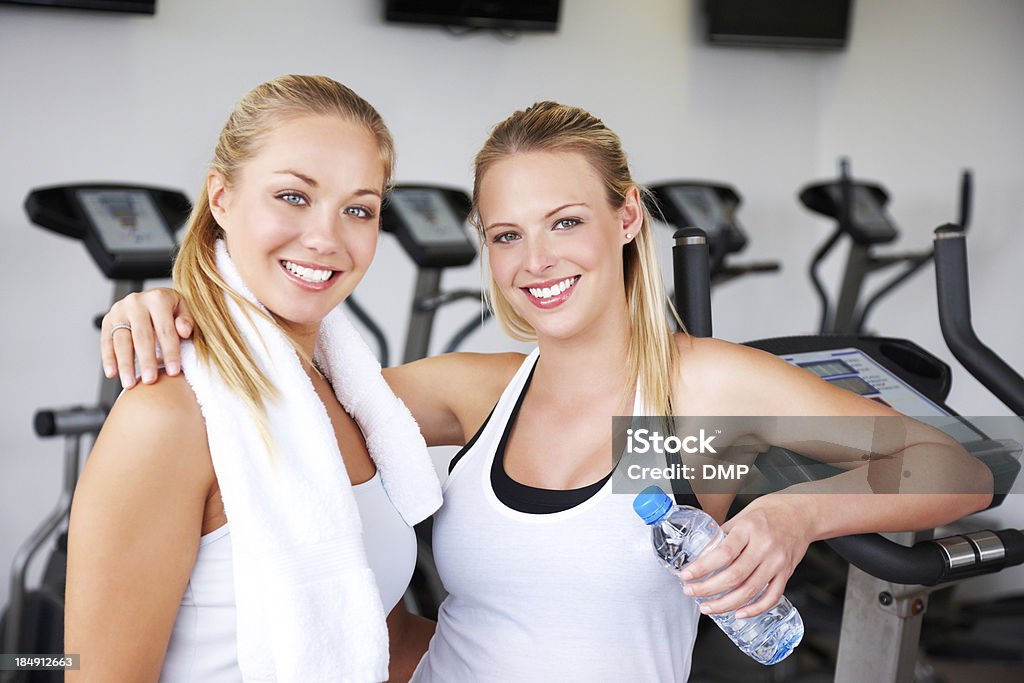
(133, 6)
(519, 15)
(816, 24)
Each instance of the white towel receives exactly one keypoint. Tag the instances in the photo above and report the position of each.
(308, 607)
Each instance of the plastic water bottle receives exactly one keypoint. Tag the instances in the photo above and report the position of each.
(680, 534)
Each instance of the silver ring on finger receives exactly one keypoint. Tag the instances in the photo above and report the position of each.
(120, 326)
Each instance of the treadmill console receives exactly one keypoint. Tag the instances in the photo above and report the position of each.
(128, 229)
(429, 222)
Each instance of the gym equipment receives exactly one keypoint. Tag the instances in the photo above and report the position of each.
(954, 300)
(429, 222)
(988, 630)
(712, 208)
(889, 583)
(129, 232)
(858, 208)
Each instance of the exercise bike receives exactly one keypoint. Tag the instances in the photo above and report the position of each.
(889, 581)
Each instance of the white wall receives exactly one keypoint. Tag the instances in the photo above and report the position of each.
(926, 86)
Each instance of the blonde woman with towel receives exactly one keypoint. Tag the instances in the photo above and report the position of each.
(250, 518)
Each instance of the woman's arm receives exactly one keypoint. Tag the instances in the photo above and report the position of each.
(409, 635)
(134, 532)
(931, 480)
(451, 395)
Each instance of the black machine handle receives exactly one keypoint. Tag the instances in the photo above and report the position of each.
(69, 421)
(955, 319)
(691, 266)
(966, 195)
(933, 562)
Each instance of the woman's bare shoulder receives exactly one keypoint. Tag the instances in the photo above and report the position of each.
(716, 372)
(732, 379)
(708, 354)
(159, 428)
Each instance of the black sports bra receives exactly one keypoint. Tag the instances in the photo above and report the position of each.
(532, 500)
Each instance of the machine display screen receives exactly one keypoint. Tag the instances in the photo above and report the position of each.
(126, 220)
(701, 205)
(828, 368)
(854, 384)
(867, 212)
(856, 371)
(429, 217)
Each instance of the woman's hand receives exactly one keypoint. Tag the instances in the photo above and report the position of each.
(155, 316)
(765, 542)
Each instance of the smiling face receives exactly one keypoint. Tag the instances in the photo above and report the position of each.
(301, 216)
(554, 242)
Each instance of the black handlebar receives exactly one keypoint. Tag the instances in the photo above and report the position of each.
(966, 195)
(955, 319)
(691, 266)
(933, 562)
(69, 421)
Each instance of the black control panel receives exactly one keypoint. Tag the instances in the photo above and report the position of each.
(430, 224)
(128, 229)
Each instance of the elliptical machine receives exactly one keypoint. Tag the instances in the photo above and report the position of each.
(129, 232)
(858, 207)
(712, 207)
(429, 222)
(890, 578)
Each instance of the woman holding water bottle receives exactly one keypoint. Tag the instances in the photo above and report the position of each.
(550, 575)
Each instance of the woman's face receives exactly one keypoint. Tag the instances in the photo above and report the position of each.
(554, 242)
(301, 217)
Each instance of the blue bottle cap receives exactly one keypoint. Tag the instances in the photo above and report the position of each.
(651, 504)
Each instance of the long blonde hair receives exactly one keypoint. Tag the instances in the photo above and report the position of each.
(217, 339)
(553, 127)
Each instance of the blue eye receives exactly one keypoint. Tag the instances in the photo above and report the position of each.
(293, 198)
(567, 223)
(359, 212)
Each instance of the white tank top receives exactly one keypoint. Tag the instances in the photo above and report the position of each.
(576, 595)
(203, 645)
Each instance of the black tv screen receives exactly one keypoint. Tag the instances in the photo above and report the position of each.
(523, 15)
(819, 24)
(134, 6)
